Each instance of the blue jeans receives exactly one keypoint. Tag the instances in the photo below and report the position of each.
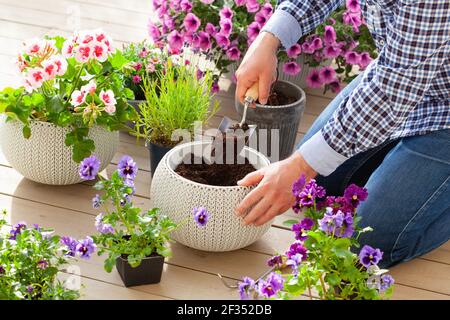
(408, 181)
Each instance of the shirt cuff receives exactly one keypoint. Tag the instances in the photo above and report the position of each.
(285, 27)
(320, 156)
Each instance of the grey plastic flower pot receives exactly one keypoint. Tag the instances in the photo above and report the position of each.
(284, 118)
(148, 272)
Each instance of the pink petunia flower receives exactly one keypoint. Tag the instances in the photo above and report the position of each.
(253, 30)
(267, 9)
(331, 51)
(191, 22)
(200, 74)
(261, 18)
(78, 97)
(353, 6)
(204, 42)
(335, 86)
(307, 48)
(291, 68)
(327, 75)
(222, 40)
(175, 5)
(175, 40)
(353, 19)
(168, 22)
(240, 2)
(329, 35)
(252, 6)
(226, 13)
(233, 53)
(365, 60)
(211, 29)
(294, 51)
(153, 31)
(316, 43)
(226, 26)
(313, 79)
(186, 5)
(352, 57)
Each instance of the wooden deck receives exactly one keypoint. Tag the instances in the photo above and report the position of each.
(189, 274)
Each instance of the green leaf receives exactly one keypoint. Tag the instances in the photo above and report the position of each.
(55, 105)
(128, 93)
(118, 60)
(289, 223)
(26, 132)
(59, 42)
(333, 279)
(109, 264)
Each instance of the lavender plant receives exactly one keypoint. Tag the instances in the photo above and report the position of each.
(322, 259)
(31, 258)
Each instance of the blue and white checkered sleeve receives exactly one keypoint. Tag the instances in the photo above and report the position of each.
(417, 47)
(294, 18)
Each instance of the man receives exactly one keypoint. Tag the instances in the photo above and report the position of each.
(387, 130)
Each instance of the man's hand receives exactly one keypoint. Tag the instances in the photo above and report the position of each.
(273, 195)
(259, 65)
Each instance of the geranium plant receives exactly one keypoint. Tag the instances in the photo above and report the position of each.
(222, 30)
(146, 60)
(174, 100)
(325, 260)
(74, 83)
(31, 258)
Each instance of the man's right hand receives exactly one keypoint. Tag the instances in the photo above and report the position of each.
(259, 65)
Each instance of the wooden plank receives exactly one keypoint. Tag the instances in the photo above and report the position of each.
(128, 5)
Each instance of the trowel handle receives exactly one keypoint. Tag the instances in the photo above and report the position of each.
(252, 92)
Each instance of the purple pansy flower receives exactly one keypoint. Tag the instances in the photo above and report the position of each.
(355, 194)
(331, 221)
(127, 168)
(300, 228)
(17, 229)
(201, 216)
(297, 248)
(85, 248)
(89, 168)
(310, 192)
(101, 227)
(313, 79)
(245, 287)
(271, 285)
(96, 201)
(291, 68)
(386, 282)
(327, 75)
(294, 261)
(71, 244)
(369, 256)
(298, 185)
(42, 264)
(275, 261)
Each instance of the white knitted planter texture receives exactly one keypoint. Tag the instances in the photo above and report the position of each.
(44, 157)
(177, 196)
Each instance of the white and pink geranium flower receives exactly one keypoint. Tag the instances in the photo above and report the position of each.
(90, 87)
(78, 97)
(108, 99)
(35, 77)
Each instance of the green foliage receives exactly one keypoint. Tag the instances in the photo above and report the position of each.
(21, 274)
(175, 101)
(136, 234)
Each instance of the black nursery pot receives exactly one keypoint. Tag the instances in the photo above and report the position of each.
(148, 272)
(135, 104)
(157, 152)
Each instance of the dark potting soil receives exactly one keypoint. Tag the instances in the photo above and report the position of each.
(236, 126)
(277, 98)
(214, 174)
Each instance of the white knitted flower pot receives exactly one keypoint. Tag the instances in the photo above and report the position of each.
(177, 196)
(44, 157)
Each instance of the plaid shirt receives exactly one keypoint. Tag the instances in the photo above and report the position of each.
(404, 92)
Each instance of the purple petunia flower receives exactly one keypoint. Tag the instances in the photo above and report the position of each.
(96, 201)
(294, 51)
(153, 31)
(353, 19)
(369, 256)
(17, 229)
(313, 79)
(252, 6)
(335, 86)
(355, 194)
(210, 29)
(226, 13)
(261, 18)
(186, 5)
(329, 35)
(386, 282)
(71, 244)
(201, 216)
(233, 53)
(191, 22)
(127, 168)
(352, 57)
(307, 48)
(215, 87)
(271, 285)
(267, 9)
(327, 75)
(353, 6)
(42, 264)
(222, 40)
(297, 248)
(253, 30)
(240, 2)
(300, 228)
(225, 26)
(316, 43)
(85, 248)
(245, 287)
(331, 51)
(204, 41)
(291, 68)
(101, 227)
(175, 40)
(89, 168)
(275, 261)
(365, 60)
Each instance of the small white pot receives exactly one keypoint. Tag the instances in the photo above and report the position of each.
(44, 157)
(177, 196)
